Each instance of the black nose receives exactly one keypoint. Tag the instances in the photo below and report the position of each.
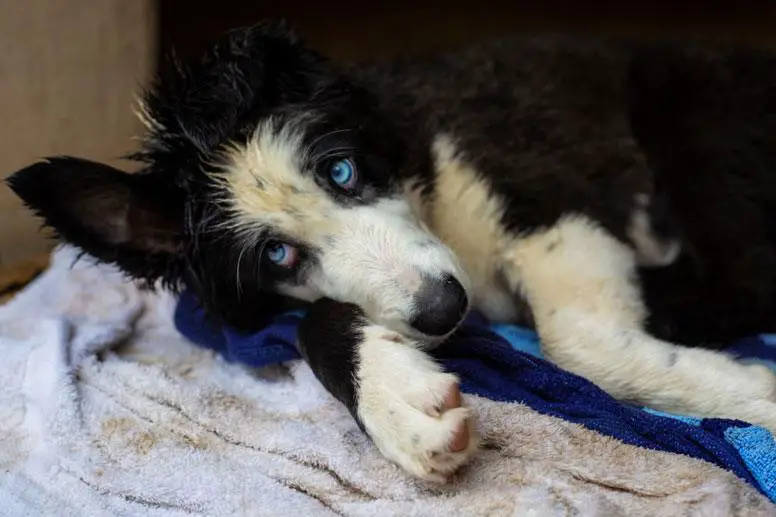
(440, 305)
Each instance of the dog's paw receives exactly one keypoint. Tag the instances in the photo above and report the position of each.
(412, 411)
(758, 412)
(759, 406)
(730, 389)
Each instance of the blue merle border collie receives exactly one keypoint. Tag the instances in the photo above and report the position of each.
(618, 196)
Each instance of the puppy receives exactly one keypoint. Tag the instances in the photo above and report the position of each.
(617, 196)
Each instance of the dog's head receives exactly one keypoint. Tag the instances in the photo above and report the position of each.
(268, 175)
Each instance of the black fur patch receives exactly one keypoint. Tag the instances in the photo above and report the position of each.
(329, 337)
(132, 220)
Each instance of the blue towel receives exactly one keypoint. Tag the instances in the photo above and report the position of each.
(503, 363)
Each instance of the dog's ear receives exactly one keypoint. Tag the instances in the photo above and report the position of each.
(132, 220)
(248, 70)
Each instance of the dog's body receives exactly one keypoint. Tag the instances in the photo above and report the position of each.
(618, 197)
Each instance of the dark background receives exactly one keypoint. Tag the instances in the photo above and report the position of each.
(359, 30)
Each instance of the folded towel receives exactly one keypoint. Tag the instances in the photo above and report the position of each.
(503, 363)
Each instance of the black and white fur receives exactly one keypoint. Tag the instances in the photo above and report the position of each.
(618, 196)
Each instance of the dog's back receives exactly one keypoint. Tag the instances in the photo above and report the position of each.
(559, 124)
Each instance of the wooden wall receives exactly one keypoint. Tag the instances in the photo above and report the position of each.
(68, 73)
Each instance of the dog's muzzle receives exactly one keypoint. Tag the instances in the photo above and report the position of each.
(439, 306)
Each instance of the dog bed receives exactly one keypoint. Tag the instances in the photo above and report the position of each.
(107, 409)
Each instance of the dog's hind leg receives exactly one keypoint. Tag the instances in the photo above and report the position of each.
(409, 407)
(583, 290)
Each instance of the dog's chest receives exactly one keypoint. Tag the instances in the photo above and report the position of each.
(467, 217)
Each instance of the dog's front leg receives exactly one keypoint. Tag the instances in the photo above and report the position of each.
(583, 291)
(399, 396)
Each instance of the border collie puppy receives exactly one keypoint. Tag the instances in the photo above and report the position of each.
(620, 197)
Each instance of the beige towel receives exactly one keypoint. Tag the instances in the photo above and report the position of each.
(105, 410)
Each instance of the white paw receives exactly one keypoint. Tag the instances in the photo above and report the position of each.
(724, 388)
(758, 399)
(412, 411)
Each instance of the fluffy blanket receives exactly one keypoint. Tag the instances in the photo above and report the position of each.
(503, 363)
(106, 409)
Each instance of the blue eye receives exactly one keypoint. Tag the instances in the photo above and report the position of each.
(281, 254)
(343, 173)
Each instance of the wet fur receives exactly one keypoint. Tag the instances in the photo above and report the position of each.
(617, 196)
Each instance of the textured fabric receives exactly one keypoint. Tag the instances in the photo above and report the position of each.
(106, 409)
(755, 445)
(503, 363)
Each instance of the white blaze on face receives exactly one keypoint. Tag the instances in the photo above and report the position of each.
(374, 255)
(264, 186)
(378, 258)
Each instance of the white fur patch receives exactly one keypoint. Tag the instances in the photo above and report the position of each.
(264, 185)
(588, 310)
(399, 391)
(651, 251)
(466, 215)
(377, 258)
